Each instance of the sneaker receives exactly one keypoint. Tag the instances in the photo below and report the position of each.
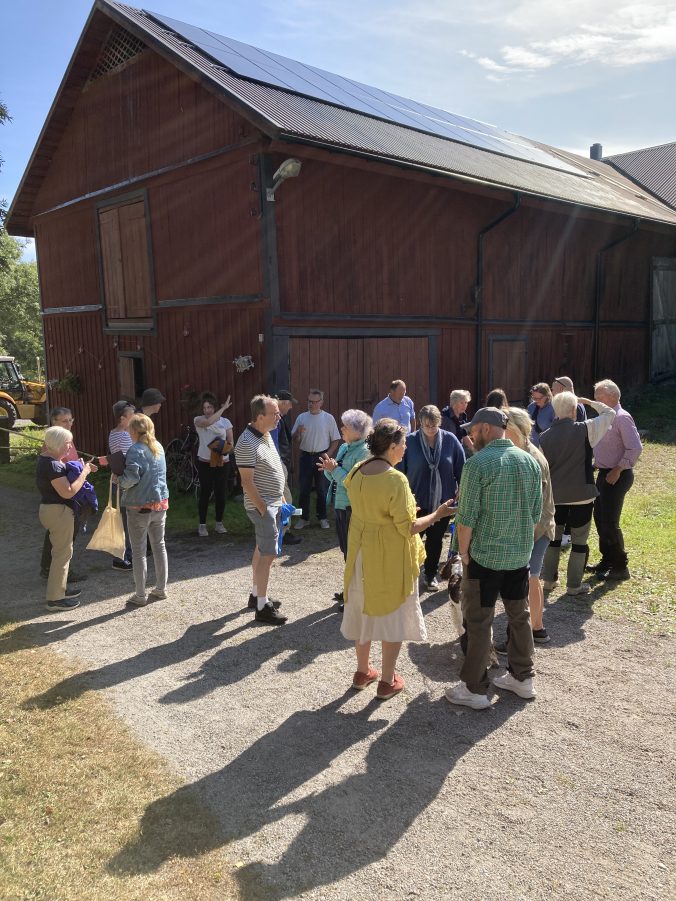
(271, 616)
(202, 530)
(324, 524)
(136, 601)
(290, 538)
(541, 636)
(158, 595)
(301, 524)
(387, 690)
(122, 565)
(501, 647)
(616, 574)
(220, 529)
(565, 541)
(253, 602)
(550, 584)
(524, 689)
(432, 584)
(72, 592)
(580, 589)
(361, 680)
(63, 604)
(461, 695)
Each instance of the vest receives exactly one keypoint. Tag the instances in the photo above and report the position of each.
(566, 446)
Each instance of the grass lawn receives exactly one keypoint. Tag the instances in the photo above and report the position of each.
(74, 788)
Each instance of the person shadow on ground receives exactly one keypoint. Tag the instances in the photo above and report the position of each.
(347, 825)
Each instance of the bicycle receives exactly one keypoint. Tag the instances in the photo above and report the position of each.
(181, 459)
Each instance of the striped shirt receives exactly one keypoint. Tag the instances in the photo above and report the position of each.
(258, 452)
(119, 441)
(501, 501)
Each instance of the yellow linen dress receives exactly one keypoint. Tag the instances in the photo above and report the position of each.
(383, 560)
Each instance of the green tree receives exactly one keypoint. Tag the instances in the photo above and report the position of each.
(20, 327)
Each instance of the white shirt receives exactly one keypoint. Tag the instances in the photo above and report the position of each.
(320, 431)
(218, 429)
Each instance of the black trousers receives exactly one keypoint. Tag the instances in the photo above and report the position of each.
(342, 528)
(607, 513)
(434, 536)
(309, 478)
(213, 480)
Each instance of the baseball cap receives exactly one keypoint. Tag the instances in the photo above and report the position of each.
(489, 415)
(565, 382)
(286, 395)
(152, 396)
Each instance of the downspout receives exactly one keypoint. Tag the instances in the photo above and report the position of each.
(477, 291)
(600, 284)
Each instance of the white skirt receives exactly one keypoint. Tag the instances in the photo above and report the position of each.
(405, 624)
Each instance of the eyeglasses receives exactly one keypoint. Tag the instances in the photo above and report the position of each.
(314, 401)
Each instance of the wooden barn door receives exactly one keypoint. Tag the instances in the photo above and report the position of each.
(507, 367)
(357, 371)
(663, 319)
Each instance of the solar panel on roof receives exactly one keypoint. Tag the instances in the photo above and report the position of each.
(269, 68)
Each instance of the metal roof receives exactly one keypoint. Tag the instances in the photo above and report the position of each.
(652, 167)
(291, 116)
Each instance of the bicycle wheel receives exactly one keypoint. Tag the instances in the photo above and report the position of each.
(179, 466)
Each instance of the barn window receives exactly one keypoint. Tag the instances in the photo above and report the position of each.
(125, 268)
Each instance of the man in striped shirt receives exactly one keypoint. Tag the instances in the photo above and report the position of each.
(262, 475)
(499, 505)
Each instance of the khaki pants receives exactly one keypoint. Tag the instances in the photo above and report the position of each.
(58, 519)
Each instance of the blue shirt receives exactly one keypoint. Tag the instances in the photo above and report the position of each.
(402, 413)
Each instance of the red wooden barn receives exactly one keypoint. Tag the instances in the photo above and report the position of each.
(412, 243)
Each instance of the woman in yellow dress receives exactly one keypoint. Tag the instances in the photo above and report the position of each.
(383, 559)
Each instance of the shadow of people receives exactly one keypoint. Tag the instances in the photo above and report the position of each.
(360, 818)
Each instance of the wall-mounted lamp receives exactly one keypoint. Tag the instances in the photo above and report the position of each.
(289, 169)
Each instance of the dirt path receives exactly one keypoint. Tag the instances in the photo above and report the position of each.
(325, 793)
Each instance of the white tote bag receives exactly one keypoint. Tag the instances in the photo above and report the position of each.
(109, 534)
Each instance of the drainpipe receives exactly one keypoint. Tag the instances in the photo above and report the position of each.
(478, 287)
(600, 284)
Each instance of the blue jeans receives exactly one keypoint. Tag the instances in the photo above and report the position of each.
(310, 477)
(145, 527)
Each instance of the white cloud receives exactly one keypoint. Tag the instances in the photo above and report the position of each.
(613, 36)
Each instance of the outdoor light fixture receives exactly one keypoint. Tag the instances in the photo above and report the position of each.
(289, 169)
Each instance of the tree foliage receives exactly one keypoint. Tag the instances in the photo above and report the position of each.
(20, 326)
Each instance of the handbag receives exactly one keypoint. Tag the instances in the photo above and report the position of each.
(109, 534)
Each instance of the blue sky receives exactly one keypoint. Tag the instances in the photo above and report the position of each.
(567, 73)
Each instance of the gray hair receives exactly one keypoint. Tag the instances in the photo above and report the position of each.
(358, 420)
(565, 405)
(519, 420)
(609, 387)
(459, 394)
(56, 438)
(430, 413)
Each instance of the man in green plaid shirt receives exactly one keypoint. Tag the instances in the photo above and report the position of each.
(500, 503)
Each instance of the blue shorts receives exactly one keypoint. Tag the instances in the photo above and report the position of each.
(537, 557)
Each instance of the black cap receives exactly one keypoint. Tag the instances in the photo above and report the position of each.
(152, 396)
(286, 395)
(489, 415)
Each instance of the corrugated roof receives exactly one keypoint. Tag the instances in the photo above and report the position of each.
(652, 167)
(285, 115)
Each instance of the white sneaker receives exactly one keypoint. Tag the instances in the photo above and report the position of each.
(524, 689)
(158, 595)
(301, 524)
(202, 530)
(585, 588)
(220, 528)
(324, 524)
(565, 541)
(460, 694)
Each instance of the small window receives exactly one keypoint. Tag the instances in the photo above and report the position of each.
(125, 268)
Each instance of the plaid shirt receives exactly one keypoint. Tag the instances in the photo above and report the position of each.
(501, 501)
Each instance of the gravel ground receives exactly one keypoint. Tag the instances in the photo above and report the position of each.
(326, 793)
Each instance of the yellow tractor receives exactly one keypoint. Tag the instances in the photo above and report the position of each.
(19, 398)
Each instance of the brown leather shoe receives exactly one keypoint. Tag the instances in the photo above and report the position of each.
(387, 690)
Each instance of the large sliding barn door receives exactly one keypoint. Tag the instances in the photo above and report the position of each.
(663, 324)
(357, 371)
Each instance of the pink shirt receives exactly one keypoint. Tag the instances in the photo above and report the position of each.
(621, 445)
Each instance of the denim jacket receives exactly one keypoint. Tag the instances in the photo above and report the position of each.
(144, 480)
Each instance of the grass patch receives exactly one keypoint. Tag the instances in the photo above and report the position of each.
(79, 797)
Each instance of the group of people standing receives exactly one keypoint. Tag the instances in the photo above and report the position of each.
(514, 480)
